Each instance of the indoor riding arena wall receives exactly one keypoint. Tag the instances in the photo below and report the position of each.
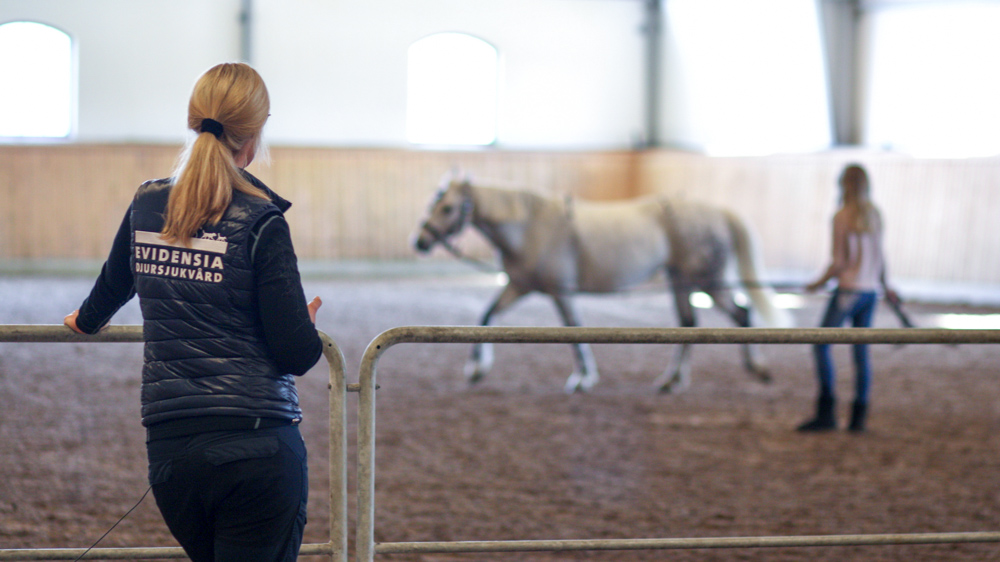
(364, 204)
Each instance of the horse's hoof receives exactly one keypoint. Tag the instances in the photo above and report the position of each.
(672, 387)
(580, 383)
(474, 375)
(573, 383)
(588, 383)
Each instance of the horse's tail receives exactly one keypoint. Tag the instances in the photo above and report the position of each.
(749, 265)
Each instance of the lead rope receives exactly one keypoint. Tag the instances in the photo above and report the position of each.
(477, 263)
(442, 238)
(120, 519)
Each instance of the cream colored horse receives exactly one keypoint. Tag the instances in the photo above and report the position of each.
(561, 247)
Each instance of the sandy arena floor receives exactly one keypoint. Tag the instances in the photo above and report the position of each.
(515, 457)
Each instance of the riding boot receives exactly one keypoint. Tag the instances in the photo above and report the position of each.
(825, 419)
(859, 410)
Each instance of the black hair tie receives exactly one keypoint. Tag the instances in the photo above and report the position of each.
(212, 126)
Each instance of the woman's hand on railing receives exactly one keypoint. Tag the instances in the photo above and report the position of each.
(70, 321)
(313, 306)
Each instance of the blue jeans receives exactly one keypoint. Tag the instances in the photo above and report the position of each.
(859, 307)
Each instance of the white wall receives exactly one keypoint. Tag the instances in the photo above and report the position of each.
(572, 70)
(137, 60)
(743, 78)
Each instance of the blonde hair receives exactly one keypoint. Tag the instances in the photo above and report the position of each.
(235, 97)
(856, 199)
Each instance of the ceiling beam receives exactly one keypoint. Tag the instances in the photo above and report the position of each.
(839, 21)
(246, 31)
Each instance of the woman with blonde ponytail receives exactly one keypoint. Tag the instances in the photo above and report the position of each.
(858, 266)
(227, 330)
(228, 131)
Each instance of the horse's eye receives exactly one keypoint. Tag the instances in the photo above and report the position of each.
(446, 209)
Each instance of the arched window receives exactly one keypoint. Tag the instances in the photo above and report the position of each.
(36, 70)
(754, 72)
(934, 84)
(451, 94)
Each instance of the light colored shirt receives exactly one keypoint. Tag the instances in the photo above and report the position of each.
(857, 256)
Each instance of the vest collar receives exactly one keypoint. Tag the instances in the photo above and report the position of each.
(280, 202)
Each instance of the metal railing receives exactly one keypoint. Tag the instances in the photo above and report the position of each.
(366, 548)
(365, 538)
(336, 549)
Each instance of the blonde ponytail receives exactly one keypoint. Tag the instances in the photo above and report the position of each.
(855, 192)
(227, 110)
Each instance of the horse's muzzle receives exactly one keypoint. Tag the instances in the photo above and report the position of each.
(427, 236)
(424, 240)
(422, 245)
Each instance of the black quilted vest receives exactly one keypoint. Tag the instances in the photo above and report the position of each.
(205, 353)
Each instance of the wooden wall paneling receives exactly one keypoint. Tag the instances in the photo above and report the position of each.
(974, 193)
(937, 223)
(27, 164)
(891, 186)
(66, 201)
(407, 211)
(913, 211)
(339, 208)
(409, 207)
(984, 204)
(290, 175)
(16, 217)
(357, 209)
(45, 203)
(381, 231)
(7, 209)
(94, 182)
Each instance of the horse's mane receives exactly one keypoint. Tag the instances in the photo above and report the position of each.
(503, 204)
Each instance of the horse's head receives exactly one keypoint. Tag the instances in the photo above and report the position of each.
(448, 214)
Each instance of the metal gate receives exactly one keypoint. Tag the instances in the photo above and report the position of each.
(336, 549)
(366, 547)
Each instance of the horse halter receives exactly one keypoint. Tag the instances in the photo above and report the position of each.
(464, 212)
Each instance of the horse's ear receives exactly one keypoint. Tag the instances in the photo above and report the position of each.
(448, 177)
(465, 182)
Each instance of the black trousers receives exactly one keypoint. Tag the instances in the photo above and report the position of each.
(233, 496)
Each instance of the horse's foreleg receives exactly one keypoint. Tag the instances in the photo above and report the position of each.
(754, 362)
(585, 376)
(753, 359)
(677, 376)
(481, 360)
